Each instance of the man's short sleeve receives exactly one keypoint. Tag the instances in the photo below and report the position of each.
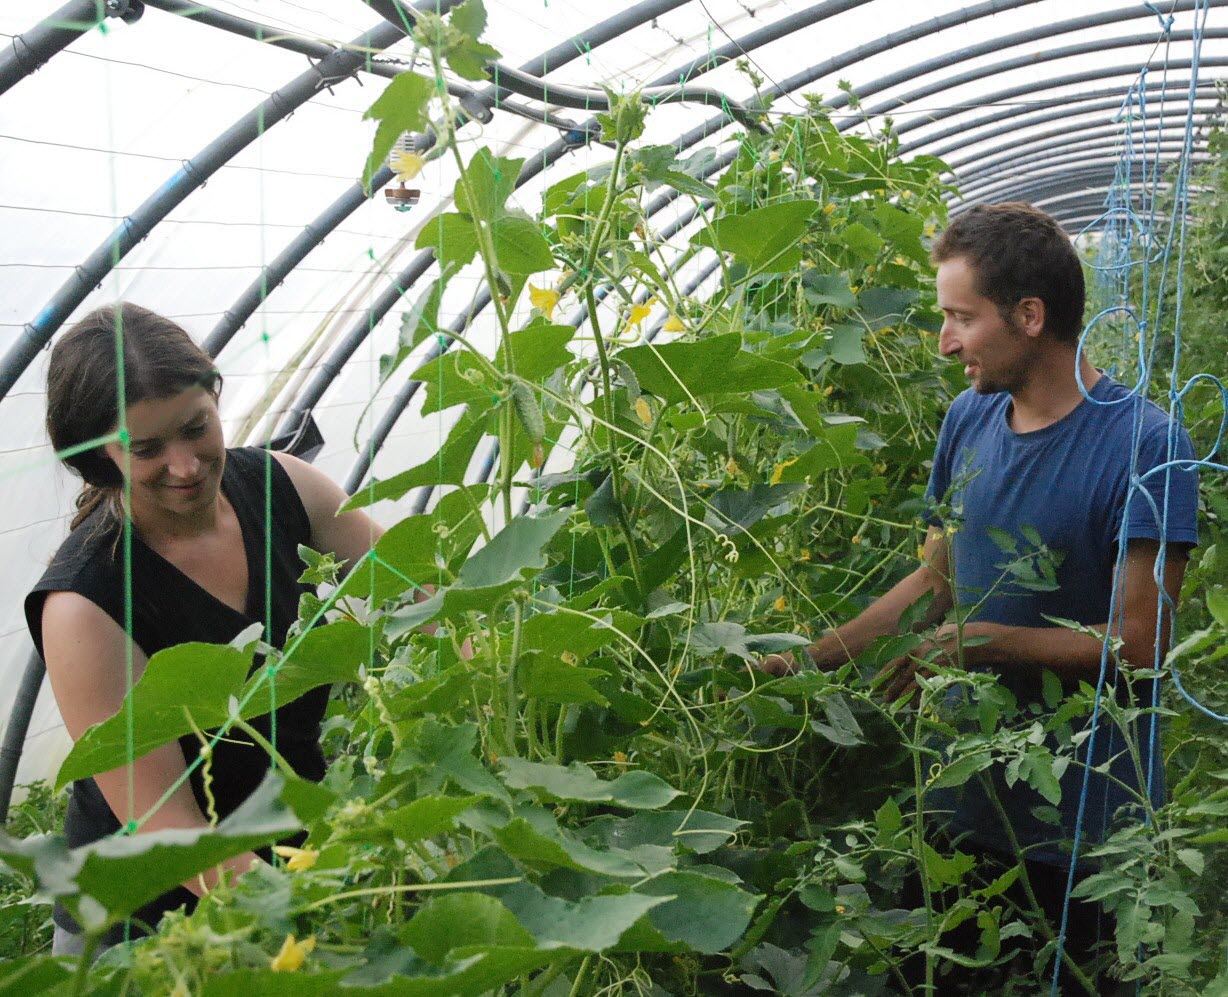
(1148, 518)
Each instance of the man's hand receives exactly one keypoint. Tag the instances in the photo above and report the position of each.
(826, 654)
(898, 679)
(778, 665)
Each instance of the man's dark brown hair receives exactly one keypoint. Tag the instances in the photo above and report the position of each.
(1018, 251)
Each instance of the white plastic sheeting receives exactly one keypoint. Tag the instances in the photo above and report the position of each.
(89, 137)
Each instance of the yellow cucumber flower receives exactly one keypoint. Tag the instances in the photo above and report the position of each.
(640, 312)
(545, 300)
(644, 411)
(292, 955)
(673, 324)
(297, 859)
(406, 165)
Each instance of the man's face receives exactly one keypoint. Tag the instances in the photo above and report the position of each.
(996, 353)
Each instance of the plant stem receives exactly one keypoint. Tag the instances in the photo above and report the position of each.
(919, 852)
(283, 766)
(580, 973)
(512, 703)
(603, 357)
(84, 961)
(373, 891)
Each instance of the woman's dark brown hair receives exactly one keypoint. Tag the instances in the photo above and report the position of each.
(159, 361)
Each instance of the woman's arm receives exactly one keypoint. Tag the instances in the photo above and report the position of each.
(86, 655)
(348, 536)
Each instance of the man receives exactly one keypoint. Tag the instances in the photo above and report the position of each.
(1025, 450)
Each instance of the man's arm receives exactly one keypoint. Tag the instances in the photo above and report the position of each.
(881, 617)
(1071, 655)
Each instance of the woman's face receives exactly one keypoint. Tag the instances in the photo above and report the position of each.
(177, 453)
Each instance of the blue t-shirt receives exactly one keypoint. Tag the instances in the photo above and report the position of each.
(1067, 482)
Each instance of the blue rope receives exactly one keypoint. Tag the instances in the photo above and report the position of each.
(1129, 243)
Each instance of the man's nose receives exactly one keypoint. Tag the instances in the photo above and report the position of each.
(948, 342)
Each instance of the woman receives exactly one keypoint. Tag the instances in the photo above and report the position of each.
(197, 570)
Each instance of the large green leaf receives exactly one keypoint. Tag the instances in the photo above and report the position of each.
(322, 656)
(195, 680)
(545, 847)
(488, 182)
(710, 366)
(452, 237)
(835, 449)
(555, 681)
(636, 790)
(400, 108)
(537, 352)
(427, 817)
(763, 239)
(502, 564)
(462, 920)
(727, 637)
(108, 880)
(828, 289)
(592, 924)
(447, 467)
(465, 55)
(520, 246)
(695, 830)
(190, 686)
(410, 549)
(703, 913)
(445, 752)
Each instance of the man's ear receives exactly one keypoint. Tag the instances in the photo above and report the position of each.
(1030, 316)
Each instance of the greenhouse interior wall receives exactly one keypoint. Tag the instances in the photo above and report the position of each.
(206, 161)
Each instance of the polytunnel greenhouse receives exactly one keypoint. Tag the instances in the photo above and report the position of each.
(551, 498)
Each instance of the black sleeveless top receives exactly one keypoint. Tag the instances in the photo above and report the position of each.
(168, 608)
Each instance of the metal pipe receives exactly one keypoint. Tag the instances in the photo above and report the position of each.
(1004, 188)
(18, 727)
(1080, 181)
(1004, 153)
(995, 45)
(31, 49)
(275, 273)
(192, 174)
(583, 98)
(1096, 152)
(1096, 139)
(856, 55)
(1052, 83)
(927, 29)
(313, 49)
(1041, 112)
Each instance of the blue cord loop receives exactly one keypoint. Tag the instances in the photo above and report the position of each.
(1138, 253)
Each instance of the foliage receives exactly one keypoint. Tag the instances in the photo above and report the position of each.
(601, 797)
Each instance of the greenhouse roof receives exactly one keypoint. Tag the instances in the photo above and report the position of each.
(203, 160)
